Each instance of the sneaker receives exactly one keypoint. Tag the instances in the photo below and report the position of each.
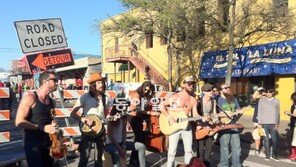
(267, 158)
(257, 152)
(275, 158)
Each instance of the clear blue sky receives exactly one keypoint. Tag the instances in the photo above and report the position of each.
(78, 18)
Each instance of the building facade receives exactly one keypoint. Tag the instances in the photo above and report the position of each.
(125, 60)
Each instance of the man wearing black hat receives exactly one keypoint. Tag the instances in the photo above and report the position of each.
(92, 103)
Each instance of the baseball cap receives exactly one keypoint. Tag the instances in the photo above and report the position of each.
(189, 79)
(207, 87)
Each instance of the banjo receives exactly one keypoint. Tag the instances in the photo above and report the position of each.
(96, 128)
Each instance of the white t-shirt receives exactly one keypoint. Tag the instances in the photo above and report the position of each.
(91, 105)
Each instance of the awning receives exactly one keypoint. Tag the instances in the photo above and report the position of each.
(258, 60)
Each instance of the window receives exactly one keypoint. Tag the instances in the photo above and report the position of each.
(149, 40)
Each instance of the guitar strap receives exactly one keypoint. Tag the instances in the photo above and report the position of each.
(223, 110)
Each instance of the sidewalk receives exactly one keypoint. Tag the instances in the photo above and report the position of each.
(284, 135)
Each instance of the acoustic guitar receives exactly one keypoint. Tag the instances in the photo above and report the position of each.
(235, 116)
(180, 124)
(97, 127)
(208, 131)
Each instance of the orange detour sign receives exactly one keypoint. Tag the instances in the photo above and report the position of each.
(4, 115)
(50, 60)
(4, 93)
(4, 137)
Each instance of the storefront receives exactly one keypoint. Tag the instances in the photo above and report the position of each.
(271, 65)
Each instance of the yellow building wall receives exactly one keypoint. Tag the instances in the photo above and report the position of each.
(284, 89)
(155, 56)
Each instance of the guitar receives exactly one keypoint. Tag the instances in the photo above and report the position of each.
(208, 131)
(180, 124)
(97, 127)
(233, 118)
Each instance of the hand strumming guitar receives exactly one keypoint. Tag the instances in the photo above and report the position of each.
(87, 121)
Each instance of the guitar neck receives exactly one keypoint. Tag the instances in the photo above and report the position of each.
(188, 119)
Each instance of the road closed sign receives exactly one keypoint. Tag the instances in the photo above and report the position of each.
(39, 35)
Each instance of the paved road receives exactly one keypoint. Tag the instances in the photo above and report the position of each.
(12, 152)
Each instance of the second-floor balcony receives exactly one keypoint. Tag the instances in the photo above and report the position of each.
(118, 53)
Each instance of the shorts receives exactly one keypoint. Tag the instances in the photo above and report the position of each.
(257, 133)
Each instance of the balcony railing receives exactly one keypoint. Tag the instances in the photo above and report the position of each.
(117, 53)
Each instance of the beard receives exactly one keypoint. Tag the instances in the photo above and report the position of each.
(190, 92)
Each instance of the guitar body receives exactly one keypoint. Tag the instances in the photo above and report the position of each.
(202, 133)
(95, 129)
(226, 120)
(167, 128)
(208, 131)
(236, 116)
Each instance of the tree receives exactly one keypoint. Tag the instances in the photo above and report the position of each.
(174, 20)
(193, 27)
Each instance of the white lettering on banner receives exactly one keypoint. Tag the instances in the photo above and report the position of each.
(37, 35)
(246, 71)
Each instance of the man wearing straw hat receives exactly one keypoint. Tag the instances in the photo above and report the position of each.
(94, 102)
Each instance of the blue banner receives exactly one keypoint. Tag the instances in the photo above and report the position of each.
(258, 60)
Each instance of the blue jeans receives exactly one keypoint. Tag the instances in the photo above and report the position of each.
(113, 151)
(270, 129)
(230, 138)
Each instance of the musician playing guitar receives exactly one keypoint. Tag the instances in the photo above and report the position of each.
(207, 109)
(94, 102)
(185, 101)
(228, 102)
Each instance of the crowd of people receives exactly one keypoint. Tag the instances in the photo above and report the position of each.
(215, 109)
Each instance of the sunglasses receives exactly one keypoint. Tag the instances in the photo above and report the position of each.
(228, 87)
(190, 83)
(210, 90)
(54, 79)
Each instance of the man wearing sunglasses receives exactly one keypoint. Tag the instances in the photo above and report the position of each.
(228, 104)
(207, 105)
(269, 119)
(185, 101)
(34, 116)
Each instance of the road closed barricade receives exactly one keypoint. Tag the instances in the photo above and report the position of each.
(4, 114)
